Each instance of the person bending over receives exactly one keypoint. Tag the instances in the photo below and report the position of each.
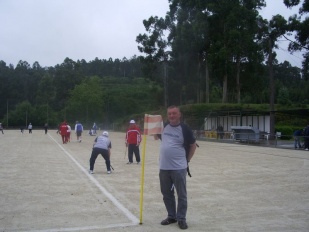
(102, 145)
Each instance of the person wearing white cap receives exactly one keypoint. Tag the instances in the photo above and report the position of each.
(133, 140)
(102, 145)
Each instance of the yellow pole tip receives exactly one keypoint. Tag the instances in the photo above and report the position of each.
(140, 223)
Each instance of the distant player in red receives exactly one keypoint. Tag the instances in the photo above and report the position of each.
(63, 132)
(133, 139)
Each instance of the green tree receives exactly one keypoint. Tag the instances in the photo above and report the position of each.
(301, 27)
(66, 76)
(271, 31)
(22, 115)
(233, 39)
(283, 96)
(86, 102)
(46, 92)
(217, 35)
(153, 44)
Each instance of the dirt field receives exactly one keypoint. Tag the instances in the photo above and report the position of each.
(45, 186)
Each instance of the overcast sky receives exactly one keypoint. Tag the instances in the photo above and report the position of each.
(48, 31)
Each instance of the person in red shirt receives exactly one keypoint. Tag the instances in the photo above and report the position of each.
(133, 140)
(63, 132)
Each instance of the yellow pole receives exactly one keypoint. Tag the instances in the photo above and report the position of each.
(142, 181)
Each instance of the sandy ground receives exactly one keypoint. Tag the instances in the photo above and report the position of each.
(45, 186)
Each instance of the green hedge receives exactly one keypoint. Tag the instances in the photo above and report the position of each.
(286, 132)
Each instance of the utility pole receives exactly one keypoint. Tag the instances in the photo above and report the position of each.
(165, 78)
(165, 85)
(271, 90)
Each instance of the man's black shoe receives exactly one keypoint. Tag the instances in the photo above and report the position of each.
(168, 221)
(182, 225)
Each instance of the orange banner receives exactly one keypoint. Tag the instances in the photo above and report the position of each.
(153, 124)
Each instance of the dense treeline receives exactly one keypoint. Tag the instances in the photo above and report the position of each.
(101, 91)
(213, 51)
(73, 91)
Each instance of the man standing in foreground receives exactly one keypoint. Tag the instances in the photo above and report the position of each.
(177, 148)
(133, 140)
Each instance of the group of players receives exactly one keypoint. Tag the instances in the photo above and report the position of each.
(64, 129)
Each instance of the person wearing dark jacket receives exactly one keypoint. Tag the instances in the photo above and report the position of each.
(1, 128)
(306, 136)
(297, 134)
(133, 140)
(45, 128)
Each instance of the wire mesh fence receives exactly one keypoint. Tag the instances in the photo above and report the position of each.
(277, 140)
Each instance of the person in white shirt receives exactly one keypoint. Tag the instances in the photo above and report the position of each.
(30, 128)
(102, 145)
(68, 133)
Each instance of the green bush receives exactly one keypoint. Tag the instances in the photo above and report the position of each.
(286, 132)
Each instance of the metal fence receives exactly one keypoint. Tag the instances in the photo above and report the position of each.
(262, 139)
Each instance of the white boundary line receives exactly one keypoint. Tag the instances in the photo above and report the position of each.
(87, 228)
(127, 213)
